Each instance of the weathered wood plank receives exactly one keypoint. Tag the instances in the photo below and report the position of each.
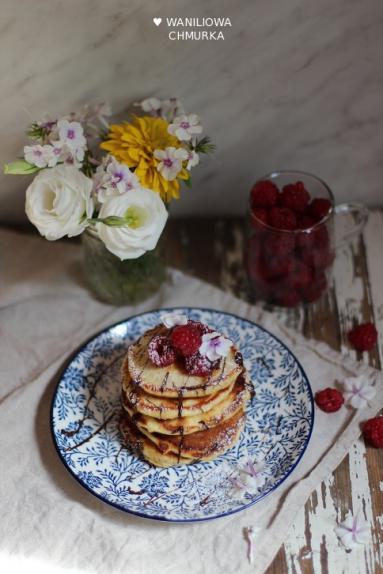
(212, 249)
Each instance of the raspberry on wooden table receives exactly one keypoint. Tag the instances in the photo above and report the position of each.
(186, 339)
(363, 337)
(373, 432)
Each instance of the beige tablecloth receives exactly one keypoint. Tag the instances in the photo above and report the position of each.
(45, 313)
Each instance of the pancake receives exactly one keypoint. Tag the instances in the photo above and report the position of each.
(173, 380)
(239, 394)
(165, 408)
(165, 450)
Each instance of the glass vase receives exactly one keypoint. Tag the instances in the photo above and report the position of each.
(121, 282)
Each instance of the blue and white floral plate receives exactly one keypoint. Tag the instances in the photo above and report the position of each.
(86, 408)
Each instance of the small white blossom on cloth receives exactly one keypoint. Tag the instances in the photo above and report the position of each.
(185, 127)
(214, 346)
(353, 531)
(170, 161)
(172, 319)
(250, 533)
(358, 391)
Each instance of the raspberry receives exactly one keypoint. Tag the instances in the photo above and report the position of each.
(276, 267)
(373, 432)
(161, 352)
(199, 365)
(364, 337)
(314, 239)
(282, 218)
(201, 327)
(329, 400)
(319, 208)
(279, 244)
(305, 222)
(260, 214)
(264, 194)
(302, 276)
(186, 339)
(295, 196)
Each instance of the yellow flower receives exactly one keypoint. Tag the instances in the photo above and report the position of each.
(134, 143)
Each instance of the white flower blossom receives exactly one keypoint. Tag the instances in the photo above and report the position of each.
(193, 159)
(72, 135)
(214, 346)
(171, 160)
(171, 108)
(172, 319)
(253, 474)
(353, 531)
(358, 391)
(38, 155)
(150, 105)
(114, 178)
(185, 127)
(250, 478)
(58, 202)
(145, 216)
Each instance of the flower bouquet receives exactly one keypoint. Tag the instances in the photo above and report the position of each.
(112, 183)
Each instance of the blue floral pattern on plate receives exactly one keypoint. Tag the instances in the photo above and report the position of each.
(86, 408)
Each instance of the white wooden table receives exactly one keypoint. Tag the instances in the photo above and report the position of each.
(356, 296)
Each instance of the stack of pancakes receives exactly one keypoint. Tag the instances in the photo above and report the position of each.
(171, 417)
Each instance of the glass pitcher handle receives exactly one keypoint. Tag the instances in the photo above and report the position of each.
(360, 214)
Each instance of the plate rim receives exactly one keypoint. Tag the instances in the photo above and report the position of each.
(115, 505)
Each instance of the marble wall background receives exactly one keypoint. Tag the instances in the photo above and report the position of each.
(295, 84)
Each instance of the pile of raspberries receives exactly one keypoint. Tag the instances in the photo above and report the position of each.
(182, 344)
(287, 268)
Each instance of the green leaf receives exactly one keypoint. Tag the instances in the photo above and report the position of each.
(20, 167)
(205, 146)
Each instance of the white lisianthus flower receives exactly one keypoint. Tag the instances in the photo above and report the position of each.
(185, 127)
(58, 202)
(145, 216)
(171, 160)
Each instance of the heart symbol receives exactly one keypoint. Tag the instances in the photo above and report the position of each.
(157, 21)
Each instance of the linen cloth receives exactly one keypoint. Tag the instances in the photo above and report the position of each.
(46, 312)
